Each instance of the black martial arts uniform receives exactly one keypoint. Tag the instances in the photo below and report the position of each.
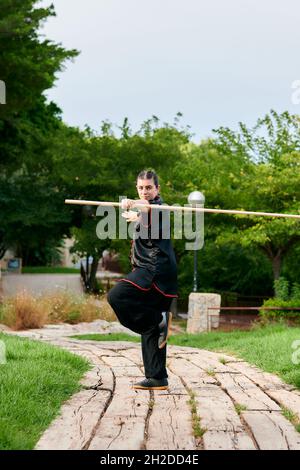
(140, 297)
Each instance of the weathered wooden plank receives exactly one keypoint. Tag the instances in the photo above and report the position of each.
(176, 386)
(287, 399)
(192, 375)
(134, 355)
(123, 425)
(105, 373)
(170, 424)
(186, 350)
(272, 431)
(97, 349)
(117, 345)
(227, 440)
(244, 392)
(117, 361)
(128, 371)
(92, 379)
(222, 355)
(216, 410)
(119, 433)
(208, 362)
(91, 419)
(100, 377)
(175, 351)
(264, 380)
(78, 418)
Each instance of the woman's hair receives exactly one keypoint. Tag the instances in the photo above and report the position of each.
(148, 174)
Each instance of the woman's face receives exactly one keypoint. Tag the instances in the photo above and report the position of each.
(147, 189)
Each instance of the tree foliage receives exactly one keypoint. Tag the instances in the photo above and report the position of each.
(271, 184)
(43, 161)
(28, 195)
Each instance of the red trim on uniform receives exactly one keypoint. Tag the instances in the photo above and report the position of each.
(136, 285)
(163, 293)
(144, 289)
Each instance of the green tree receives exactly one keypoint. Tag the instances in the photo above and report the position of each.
(28, 198)
(29, 64)
(271, 184)
(256, 169)
(104, 167)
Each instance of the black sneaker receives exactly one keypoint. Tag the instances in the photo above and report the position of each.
(152, 384)
(164, 329)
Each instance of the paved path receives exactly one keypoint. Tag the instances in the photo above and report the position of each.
(234, 404)
(38, 284)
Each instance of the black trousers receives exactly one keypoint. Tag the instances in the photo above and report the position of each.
(140, 311)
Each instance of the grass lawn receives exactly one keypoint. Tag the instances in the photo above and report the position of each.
(269, 347)
(49, 270)
(34, 383)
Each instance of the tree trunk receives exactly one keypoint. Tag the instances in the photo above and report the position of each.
(92, 275)
(276, 265)
(2, 251)
(276, 259)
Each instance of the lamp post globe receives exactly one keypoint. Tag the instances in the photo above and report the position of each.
(196, 198)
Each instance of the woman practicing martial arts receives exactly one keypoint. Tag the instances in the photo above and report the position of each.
(142, 299)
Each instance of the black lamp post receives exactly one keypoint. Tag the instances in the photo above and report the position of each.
(196, 198)
(88, 212)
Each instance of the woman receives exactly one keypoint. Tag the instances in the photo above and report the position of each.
(142, 299)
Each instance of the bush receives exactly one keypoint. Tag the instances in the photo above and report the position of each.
(281, 287)
(97, 307)
(73, 317)
(285, 298)
(283, 314)
(295, 291)
(26, 311)
(23, 311)
(60, 305)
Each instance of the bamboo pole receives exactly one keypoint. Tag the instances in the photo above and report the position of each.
(182, 208)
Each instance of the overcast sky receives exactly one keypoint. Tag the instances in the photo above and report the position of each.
(218, 62)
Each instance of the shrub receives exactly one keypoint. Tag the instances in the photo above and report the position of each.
(23, 311)
(73, 317)
(59, 305)
(97, 307)
(26, 311)
(295, 291)
(282, 313)
(284, 297)
(281, 287)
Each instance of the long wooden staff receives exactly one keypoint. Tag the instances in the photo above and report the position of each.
(182, 208)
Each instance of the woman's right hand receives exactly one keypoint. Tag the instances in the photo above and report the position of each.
(127, 204)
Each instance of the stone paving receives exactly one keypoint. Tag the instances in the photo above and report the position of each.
(214, 401)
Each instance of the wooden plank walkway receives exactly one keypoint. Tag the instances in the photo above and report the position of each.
(214, 401)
